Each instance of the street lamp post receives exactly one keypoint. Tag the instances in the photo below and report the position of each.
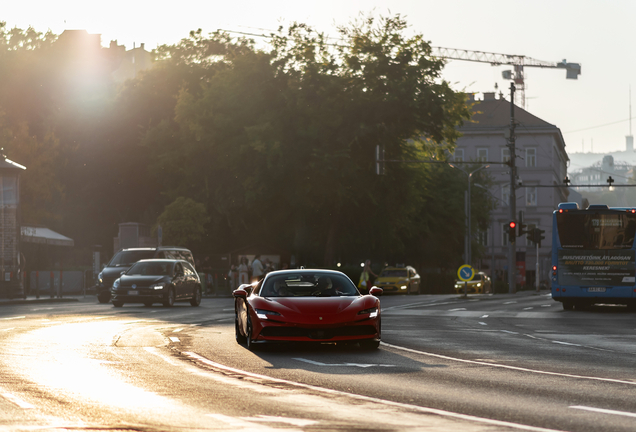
(467, 246)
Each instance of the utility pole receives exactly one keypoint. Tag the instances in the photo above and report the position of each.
(512, 252)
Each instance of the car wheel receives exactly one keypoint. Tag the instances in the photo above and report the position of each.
(248, 336)
(196, 298)
(369, 344)
(168, 301)
(240, 339)
(103, 297)
(118, 303)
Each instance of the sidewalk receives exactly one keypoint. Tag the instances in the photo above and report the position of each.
(31, 299)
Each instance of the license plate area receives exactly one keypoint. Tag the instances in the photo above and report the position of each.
(133, 292)
(596, 289)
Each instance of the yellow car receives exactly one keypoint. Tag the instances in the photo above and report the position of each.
(479, 285)
(399, 280)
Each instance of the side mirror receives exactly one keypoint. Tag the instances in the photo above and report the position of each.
(239, 293)
(375, 291)
(121, 273)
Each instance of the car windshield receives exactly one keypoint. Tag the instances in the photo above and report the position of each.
(393, 273)
(151, 268)
(308, 285)
(126, 258)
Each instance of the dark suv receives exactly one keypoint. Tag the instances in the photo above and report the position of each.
(125, 258)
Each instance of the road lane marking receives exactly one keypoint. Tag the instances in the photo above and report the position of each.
(272, 419)
(9, 329)
(153, 350)
(240, 424)
(177, 330)
(510, 302)
(508, 331)
(16, 400)
(362, 365)
(528, 308)
(12, 318)
(604, 411)
(174, 339)
(566, 343)
(517, 368)
(530, 336)
(458, 309)
(412, 305)
(421, 409)
(546, 305)
(484, 316)
(483, 323)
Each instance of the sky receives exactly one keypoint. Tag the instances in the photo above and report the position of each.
(593, 112)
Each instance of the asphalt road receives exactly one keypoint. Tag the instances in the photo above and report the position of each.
(486, 363)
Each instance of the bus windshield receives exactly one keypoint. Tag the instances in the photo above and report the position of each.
(596, 230)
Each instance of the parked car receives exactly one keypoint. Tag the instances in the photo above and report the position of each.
(122, 260)
(480, 284)
(399, 280)
(306, 306)
(157, 281)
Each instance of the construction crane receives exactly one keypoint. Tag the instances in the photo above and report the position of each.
(572, 70)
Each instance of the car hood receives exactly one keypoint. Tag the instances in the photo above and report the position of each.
(390, 279)
(306, 310)
(113, 272)
(127, 280)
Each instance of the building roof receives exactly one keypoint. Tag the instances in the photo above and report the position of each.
(45, 236)
(9, 164)
(494, 113)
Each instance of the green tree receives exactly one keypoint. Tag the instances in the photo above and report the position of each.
(183, 222)
(281, 144)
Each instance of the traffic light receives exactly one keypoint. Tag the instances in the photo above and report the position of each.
(512, 231)
(521, 226)
(538, 235)
(535, 235)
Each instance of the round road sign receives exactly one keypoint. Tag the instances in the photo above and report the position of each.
(466, 273)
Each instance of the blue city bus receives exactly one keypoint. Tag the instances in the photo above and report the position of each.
(593, 256)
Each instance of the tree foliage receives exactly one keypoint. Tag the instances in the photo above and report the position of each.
(183, 222)
(274, 144)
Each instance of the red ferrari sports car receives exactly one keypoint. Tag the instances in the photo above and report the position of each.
(306, 306)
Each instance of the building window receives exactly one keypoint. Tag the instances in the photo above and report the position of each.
(458, 156)
(504, 234)
(482, 237)
(505, 155)
(482, 154)
(531, 157)
(505, 195)
(531, 196)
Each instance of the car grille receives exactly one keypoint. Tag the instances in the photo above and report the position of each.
(322, 333)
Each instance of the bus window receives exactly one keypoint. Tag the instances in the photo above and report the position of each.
(596, 230)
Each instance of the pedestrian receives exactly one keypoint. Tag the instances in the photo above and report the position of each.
(257, 269)
(233, 276)
(365, 277)
(243, 272)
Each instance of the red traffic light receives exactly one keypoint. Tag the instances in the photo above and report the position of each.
(513, 224)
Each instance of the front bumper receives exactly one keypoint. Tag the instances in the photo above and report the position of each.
(285, 332)
(142, 296)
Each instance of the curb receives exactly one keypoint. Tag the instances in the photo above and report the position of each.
(37, 301)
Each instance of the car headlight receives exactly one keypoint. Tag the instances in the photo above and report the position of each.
(262, 313)
(403, 287)
(116, 284)
(158, 286)
(479, 284)
(100, 277)
(373, 312)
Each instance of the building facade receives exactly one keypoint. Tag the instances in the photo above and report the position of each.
(541, 162)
